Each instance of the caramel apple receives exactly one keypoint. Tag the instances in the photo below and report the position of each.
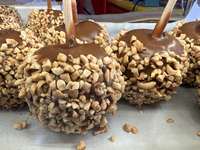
(152, 67)
(71, 87)
(14, 46)
(152, 62)
(188, 33)
(40, 21)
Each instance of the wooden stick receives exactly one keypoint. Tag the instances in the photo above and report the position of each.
(49, 6)
(74, 11)
(162, 22)
(69, 23)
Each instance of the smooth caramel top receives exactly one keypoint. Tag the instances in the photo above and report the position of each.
(166, 43)
(85, 30)
(51, 52)
(10, 34)
(191, 29)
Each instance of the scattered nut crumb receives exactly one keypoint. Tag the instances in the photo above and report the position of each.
(127, 128)
(23, 123)
(19, 114)
(20, 125)
(27, 118)
(137, 107)
(113, 113)
(170, 120)
(134, 130)
(29, 113)
(102, 129)
(17, 125)
(81, 145)
(113, 138)
(198, 133)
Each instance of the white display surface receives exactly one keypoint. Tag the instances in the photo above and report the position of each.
(154, 132)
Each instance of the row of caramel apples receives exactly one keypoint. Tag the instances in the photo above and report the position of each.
(70, 87)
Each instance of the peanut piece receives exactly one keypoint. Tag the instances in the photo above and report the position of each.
(134, 130)
(170, 120)
(81, 145)
(147, 85)
(127, 128)
(113, 138)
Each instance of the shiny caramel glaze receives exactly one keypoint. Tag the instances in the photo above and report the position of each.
(166, 43)
(191, 29)
(85, 30)
(10, 34)
(51, 52)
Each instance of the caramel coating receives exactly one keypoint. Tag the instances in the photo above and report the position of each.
(152, 74)
(191, 29)
(14, 46)
(72, 92)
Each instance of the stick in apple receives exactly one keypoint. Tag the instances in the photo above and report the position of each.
(49, 5)
(69, 22)
(162, 22)
(74, 11)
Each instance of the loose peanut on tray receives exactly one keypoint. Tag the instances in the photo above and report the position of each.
(20, 125)
(113, 138)
(134, 130)
(198, 133)
(170, 120)
(127, 128)
(81, 145)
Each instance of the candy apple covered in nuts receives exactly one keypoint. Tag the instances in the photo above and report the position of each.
(152, 62)
(40, 21)
(14, 46)
(189, 35)
(86, 32)
(70, 87)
